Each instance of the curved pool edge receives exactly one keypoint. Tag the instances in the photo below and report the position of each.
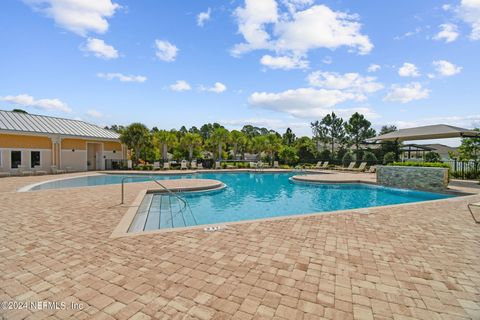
(123, 226)
(29, 187)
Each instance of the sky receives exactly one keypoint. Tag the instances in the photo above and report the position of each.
(268, 63)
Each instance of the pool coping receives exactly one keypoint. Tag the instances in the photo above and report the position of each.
(122, 228)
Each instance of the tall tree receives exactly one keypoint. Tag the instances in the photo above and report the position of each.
(238, 140)
(390, 146)
(220, 137)
(358, 129)
(470, 148)
(189, 142)
(288, 137)
(332, 127)
(135, 136)
(272, 146)
(165, 139)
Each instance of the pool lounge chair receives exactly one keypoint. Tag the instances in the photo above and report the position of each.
(156, 165)
(193, 164)
(477, 205)
(372, 169)
(325, 165)
(183, 165)
(24, 171)
(217, 165)
(166, 165)
(4, 174)
(318, 165)
(199, 166)
(349, 168)
(361, 167)
(275, 164)
(55, 170)
(252, 165)
(38, 170)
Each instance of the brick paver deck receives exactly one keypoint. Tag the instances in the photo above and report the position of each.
(419, 261)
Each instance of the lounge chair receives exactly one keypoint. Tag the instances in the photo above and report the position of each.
(193, 164)
(217, 165)
(69, 169)
(318, 165)
(470, 205)
(55, 170)
(156, 165)
(361, 167)
(4, 174)
(325, 165)
(183, 165)
(275, 164)
(199, 165)
(372, 169)
(349, 168)
(38, 170)
(24, 171)
(252, 164)
(166, 165)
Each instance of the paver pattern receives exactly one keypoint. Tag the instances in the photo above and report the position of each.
(419, 261)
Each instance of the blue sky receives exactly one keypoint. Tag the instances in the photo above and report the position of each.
(269, 63)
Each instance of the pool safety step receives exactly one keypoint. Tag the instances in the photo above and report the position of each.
(162, 211)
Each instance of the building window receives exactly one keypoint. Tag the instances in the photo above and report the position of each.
(35, 158)
(16, 159)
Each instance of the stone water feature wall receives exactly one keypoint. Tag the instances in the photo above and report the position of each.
(420, 178)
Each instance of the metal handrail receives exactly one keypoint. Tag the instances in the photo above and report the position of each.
(156, 181)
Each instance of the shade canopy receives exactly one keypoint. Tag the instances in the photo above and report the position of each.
(437, 131)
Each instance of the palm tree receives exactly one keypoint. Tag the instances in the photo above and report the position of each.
(219, 137)
(165, 139)
(238, 139)
(272, 145)
(135, 136)
(190, 141)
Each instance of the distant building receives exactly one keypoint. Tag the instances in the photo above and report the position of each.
(441, 149)
(36, 141)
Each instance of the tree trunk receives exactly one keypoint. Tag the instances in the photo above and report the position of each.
(190, 153)
(137, 155)
(165, 152)
(235, 151)
(219, 151)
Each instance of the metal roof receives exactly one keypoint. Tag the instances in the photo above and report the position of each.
(437, 131)
(38, 124)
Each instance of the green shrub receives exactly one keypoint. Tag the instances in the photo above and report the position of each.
(347, 158)
(369, 157)
(288, 155)
(432, 157)
(389, 157)
(325, 154)
(421, 164)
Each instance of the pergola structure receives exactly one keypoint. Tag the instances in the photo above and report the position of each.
(437, 131)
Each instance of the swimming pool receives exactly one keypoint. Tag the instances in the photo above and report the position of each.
(250, 196)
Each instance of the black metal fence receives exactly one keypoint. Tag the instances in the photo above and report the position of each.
(114, 164)
(464, 169)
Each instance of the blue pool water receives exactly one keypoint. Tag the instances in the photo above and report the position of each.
(251, 196)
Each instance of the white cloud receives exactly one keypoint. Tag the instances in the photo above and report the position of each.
(409, 34)
(303, 102)
(373, 67)
(408, 70)
(218, 87)
(284, 62)
(26, 100)
(79, 16)
(348, 81)
(180, 85)
(202, 17)
(446, 68)
(448, 32)
(407, 93)
(294, 33)
(94, 114)
(165, 50)
(121, 77)
(469, 12)
(100, 49)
